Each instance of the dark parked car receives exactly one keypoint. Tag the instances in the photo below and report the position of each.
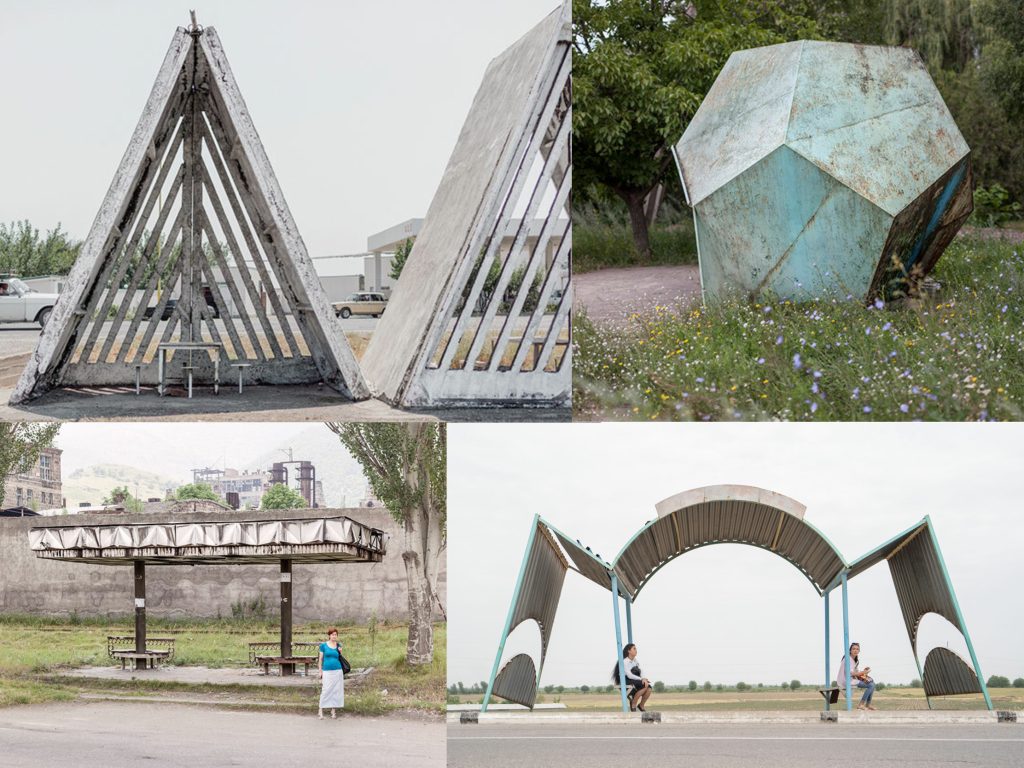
(172, 303)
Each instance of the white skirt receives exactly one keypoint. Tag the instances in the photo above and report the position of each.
(332, 694)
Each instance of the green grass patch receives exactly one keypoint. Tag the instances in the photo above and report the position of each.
(34, 650)
(957, 357)
(602, 238)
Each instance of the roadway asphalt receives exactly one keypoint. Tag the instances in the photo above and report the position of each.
(732, 746)
(116, 735)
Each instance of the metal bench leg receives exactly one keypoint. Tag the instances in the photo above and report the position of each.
(138, 376)
(239, 380)
(190, 385)
(216, 377)
(160, 371)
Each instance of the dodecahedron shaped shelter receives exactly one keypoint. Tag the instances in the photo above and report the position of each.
(823, 169)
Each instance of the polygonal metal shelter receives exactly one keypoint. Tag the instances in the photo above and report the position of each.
(823, 170)
(735, 514)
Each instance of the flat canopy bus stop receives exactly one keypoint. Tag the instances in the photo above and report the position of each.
(734, 514)
(284, 541)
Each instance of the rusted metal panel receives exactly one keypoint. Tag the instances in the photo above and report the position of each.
(948, 674)
(867, 166)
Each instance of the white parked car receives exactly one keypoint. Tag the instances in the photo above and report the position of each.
(21, 304)
(361, 303)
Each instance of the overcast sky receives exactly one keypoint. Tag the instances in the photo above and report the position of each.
(730, 612)
(358, 104)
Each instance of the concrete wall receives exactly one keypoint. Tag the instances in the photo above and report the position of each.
(332, 592)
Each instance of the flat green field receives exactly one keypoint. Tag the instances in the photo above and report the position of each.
(33, 651)
(776, 700)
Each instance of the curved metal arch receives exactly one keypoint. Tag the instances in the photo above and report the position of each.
(661, 565)
(734, 514)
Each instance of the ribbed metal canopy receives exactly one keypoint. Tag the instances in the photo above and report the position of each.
(319, 540)
(728, 514)
(947, 674)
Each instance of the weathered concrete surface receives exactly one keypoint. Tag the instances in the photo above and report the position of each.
(782, 717)
(612, 296)
(322, 592)
(129, 734)
(461, 218)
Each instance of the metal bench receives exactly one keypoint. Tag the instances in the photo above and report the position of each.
(213, 348)
(286, 661)
(831, 695)
(264, 654)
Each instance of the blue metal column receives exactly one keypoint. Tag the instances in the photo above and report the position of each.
(846, 645)
(618, 641)
(959, 615)
(828, 665)
(629, 620)
(511, 611)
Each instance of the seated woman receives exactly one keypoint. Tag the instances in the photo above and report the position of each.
(861, 676)
(638, 688)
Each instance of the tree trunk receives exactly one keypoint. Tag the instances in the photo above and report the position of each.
(635, 202)
(420, 646)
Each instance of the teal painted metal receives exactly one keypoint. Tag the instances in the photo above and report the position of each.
(511, 611)
(629, 620)
(820, 170)
(960, 616)
(618, 641)
(846, 644)
(828, 665)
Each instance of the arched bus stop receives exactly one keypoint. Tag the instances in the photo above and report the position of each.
(211, 542)
(733, 514)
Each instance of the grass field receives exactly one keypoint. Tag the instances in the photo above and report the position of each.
(602, 238)
(33, 650)
(957, 357)
(774, 700)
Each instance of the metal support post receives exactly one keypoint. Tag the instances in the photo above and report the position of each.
(629, 620)
(618, 641)
(140, 612)
(828, 665)
(286, 615)
(846, 645)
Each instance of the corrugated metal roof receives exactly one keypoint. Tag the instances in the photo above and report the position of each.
(517, 681)
(723, 514)
(323, 539)
(948, 674)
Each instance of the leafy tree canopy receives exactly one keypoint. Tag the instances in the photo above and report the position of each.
(196, 491)
(20, 446)
(281, 496)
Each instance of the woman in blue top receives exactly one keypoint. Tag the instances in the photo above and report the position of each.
(332, 692)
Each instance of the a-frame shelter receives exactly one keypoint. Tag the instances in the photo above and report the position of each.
(194, 244)
(481, 313)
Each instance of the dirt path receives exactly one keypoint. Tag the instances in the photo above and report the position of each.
(610, 296)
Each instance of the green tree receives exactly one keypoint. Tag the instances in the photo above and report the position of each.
(560, 688)
(659, 686)
(707, 685)
(785, 686)
(24, 252)
(1018, 682)
(196, 491)
(549, 689)
(406, 465)
(121, 495)
(280, 496)
(998, 681)
(692, 685)
(640, 71)
(401, 256)
(915, 683)
(584, 689)
(21, 442)
(741, 686)
(794, 685)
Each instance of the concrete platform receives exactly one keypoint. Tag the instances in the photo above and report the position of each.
(878, 717)
(194, 676)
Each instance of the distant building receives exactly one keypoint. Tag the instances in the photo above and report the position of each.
(249, 485)
(39, 487)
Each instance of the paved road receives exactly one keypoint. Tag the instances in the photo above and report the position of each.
(610, 296)
(17, 338)
(745, 746)
(115, 735)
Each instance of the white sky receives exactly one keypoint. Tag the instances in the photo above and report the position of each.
(730, 612)
(358, 104)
